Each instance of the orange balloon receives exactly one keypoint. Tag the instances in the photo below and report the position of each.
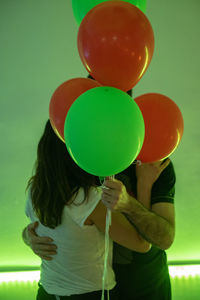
(163, 127)
(116, 44)
(63, 98)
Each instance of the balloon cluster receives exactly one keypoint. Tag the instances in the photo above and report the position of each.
(105, 129)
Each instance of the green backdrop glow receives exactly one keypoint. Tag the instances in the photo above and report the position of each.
(38, 53)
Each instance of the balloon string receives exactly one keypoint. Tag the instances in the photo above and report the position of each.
(101, 179)
(108, 223)
(137, 162)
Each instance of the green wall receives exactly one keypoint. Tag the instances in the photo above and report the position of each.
(39, 52)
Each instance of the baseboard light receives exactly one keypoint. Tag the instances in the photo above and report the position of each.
(31, 276)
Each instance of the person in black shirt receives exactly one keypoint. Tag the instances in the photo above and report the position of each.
(145, 276)
(142, 276)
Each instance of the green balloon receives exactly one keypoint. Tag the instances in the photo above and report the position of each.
(104, 131)
(82, 7)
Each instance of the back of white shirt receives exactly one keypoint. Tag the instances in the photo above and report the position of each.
(77, 268)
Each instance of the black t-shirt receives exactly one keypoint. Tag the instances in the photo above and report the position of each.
(144, 269)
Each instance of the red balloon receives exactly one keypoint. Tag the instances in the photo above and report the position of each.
(116, 44)
(62, 99)
(163, 127)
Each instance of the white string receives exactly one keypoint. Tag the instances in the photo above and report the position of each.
(108, 223)
(137, 162)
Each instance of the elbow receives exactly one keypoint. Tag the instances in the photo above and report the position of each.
(167, 243)
(163, 244)
(146, 247)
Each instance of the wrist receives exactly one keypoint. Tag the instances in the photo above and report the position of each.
(144, 184)
(130, 204)
(144, 193)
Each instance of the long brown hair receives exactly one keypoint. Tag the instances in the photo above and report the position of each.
(57, 178)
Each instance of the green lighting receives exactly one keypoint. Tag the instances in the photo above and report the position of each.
(31, 276)
(184, 271)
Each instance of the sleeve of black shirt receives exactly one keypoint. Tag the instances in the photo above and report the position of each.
(163, 189)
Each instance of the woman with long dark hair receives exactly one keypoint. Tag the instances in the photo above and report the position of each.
(61, 199)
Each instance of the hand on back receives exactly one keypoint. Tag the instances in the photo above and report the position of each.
(41, 246)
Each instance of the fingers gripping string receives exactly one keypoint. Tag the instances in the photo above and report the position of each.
(137, 162)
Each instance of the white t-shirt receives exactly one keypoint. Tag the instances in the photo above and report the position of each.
(78, 266)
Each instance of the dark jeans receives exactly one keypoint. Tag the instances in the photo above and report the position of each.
(43, 295)
(137, 287)
(163, 292)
